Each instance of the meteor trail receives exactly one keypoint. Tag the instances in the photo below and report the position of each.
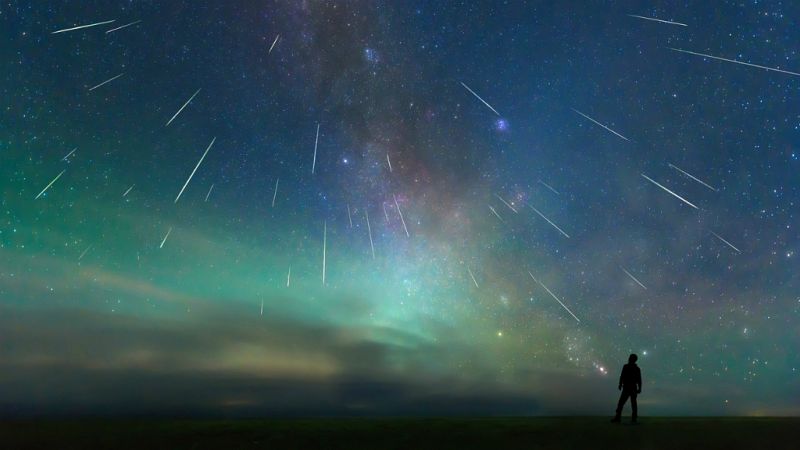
(324, 249)
(289, 277)
(80, 27)
(694, 178)
(209, 192)
(129, 189)
(473, 277)
(195, 170)
(262, 307)
(273, 43)
(184, 106)
(369, 230)
(598, 123)
(401, 215)
(385, 214)
(554, 296)
(124, 26)
(316, 141)
(349, 217)
(633, 278)
(506, 203)
(548, 221)
(106, 82)
(479, 98)
(51, 183)
(549, 187)
(275, 195)
(657, 20)
(496, 215)
(674, 194)
(84, 253)
(390, 163)
(729, 244)
(735, 61)
(69, 154)
(165, 238)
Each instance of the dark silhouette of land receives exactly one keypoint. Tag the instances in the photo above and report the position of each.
(430, 433)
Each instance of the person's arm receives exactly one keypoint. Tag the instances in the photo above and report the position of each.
(639, 380)
(621, 375)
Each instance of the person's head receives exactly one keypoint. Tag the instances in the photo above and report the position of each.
(633, 358)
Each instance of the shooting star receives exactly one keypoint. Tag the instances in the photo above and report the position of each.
(184, 106)
(69, 154)
(549, 187)
(129, 189)
(657, 20)
(735, 61)
(674, 194)
(401, 215)
(209, 192)
(124, 26)
(165, 238)
(51, 183)
(694, 178)
(273, 44)
(275, 195)
(262, 307)
(316, 142)
(324, 249)
(106, 82)
(84, 253)
(506, 203)
(80, 27)
(479, 98)
(390, 162)
(554, 296)
(728, 243)
(349, 217)
(289, 277)
(496, 215)
(473, 277)
(598, 123)
(548, 221)
(195, 170)
(634, 278)
(385, 214)
(369, 230)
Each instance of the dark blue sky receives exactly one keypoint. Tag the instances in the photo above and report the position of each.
(619, 193)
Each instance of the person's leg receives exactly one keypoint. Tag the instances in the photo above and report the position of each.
(634, 407)
(623, 397)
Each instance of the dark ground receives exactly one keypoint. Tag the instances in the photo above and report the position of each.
(528, 433)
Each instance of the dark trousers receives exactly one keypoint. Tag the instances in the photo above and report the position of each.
(624, 398)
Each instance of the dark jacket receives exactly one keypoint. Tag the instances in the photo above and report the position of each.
(631, 377)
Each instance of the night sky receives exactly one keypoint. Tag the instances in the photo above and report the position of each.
(408, 207)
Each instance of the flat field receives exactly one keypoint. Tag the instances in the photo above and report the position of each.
(406, 433)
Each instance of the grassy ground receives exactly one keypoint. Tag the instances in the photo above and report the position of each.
(527, 433)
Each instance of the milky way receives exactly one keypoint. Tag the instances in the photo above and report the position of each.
(332, 251)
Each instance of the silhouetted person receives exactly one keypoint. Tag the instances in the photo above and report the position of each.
(630, 383)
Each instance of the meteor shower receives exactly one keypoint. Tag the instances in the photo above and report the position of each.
(326, 215)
